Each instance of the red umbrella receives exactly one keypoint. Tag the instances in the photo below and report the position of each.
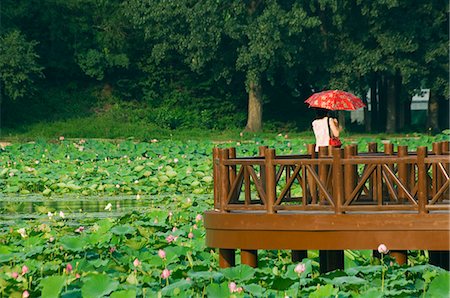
(335, 100)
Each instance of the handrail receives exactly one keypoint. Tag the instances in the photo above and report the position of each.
(338, 180)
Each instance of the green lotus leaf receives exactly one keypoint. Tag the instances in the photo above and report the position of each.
(73, 243)
(123, 230)
(52, 286)
(239, 273)
(98, 286)
(218, 290)
(124, 294)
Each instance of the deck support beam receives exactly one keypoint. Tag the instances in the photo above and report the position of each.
(299, 255)
(439, 258)
(249, 257)
(227, 258)
(400, 256)
(331, 260)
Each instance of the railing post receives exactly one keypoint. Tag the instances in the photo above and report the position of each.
(311, 150)
(445, 147)
(262, 168)
(403, 171)
(338, 180)
(216, 179)
(422, 189)
(373, 148)
(224, 179)
(350, 172)
(271, 184)
(445, 151)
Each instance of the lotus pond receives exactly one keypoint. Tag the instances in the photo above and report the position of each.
(90, 218)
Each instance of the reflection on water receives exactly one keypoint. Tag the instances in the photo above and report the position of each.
(75, 208)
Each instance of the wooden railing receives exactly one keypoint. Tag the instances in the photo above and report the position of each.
(334, 180)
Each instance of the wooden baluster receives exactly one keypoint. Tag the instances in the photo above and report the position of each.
(388, 150)
(403, 172)
(311, 182)
(270, 179)
(232, 169)
(323, 172)
(216, 179)
(373, 148)
(224, 179)
(350, 172)
(422, 192)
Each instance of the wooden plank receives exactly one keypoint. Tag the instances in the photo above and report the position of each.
(317, 221)
(329, 240)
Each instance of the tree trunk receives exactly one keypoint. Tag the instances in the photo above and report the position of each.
(433, 115)
(254, 118)
(382, 103)
(391, 106)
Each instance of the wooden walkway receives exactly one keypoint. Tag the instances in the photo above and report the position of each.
(334, 200)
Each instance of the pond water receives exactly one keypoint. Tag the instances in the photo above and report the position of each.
(75, 208)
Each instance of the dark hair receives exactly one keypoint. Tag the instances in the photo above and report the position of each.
(321, 113)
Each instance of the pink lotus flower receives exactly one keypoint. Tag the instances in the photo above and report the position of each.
(190, 235)
(24, 269)
(165, 273)
(174, 229)
(51, 239)
(382, 249)
(80, 229)
(199, 217)
(69, 267)
(77, 276)
(25, 294)
(195, 227)
(112, 249)
(136, 263)
(232, 286)
(15, 275)
(162, 254)
(300, 268)
(171, 238)
(61, 138)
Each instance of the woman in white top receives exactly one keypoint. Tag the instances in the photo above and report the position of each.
(320, 127)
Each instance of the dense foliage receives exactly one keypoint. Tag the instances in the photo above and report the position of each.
(159, 249)
(191, 64)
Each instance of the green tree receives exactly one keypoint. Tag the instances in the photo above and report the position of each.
(252, 37)
(19, 65)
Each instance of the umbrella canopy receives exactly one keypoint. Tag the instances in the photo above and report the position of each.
(335, 100)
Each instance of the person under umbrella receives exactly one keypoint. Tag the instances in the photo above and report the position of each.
(326, 128)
